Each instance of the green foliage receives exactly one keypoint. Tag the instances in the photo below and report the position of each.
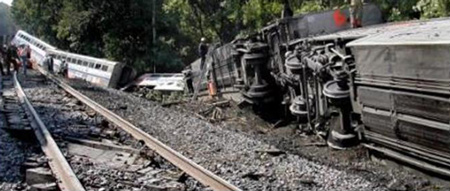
(433, 8)
(119, 30)
(310, 6)
(123, 30)
(258, 13)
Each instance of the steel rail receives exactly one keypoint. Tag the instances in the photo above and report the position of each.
(66, 178)
(204, 176)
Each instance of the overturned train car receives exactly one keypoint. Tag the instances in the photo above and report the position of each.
(384, 85)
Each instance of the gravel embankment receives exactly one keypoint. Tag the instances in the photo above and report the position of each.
(67, 117)
(229, 154)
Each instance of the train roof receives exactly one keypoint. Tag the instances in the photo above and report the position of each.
(431, 32)
(36, 39)
(414, 52)
(79, 56)
(376, 29)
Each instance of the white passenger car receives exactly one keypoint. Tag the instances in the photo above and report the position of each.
(98, 71)
(38, 47)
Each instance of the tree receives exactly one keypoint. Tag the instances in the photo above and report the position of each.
(433, 8)
(118, 30)
(123, 30)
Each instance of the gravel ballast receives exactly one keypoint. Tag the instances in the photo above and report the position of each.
(66, 117)
(229, 154)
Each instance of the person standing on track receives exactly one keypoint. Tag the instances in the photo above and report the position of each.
(2, 58)
(49, 62)
(29, 56)
(202, 51)
(11, 57)
(25, 54)
(63, 70)
(188, 79)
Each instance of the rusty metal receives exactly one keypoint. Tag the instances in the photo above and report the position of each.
(196, 171)
(67, 179)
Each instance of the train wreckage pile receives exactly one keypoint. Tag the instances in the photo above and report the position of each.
(384, 85)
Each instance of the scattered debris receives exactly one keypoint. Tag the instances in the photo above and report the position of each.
(315, 144)
(39, 175)
(272, 151)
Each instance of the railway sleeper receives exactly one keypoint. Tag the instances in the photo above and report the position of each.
(38, 175)
(100, 155)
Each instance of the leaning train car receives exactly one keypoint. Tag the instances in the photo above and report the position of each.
(98, 71)
(401, 84)
(226, 63)
(384, 85)
(38, 47)
(101, 72)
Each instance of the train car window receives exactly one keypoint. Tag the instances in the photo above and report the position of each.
(97, 66)
(91, 65)
(85, 63)
(105, 68)
(79, 62)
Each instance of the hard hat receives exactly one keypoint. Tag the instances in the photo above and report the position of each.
(203, 39)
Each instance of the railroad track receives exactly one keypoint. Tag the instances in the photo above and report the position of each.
(65, 175)
(67, 179)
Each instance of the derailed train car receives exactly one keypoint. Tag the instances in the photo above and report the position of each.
(384, 85)
(98, 71)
